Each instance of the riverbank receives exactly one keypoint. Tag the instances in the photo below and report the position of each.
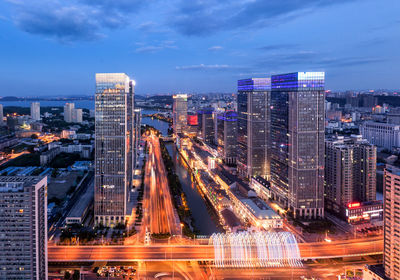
(211, 207)
(179, 197)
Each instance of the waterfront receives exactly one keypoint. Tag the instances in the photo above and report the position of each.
(203, 217)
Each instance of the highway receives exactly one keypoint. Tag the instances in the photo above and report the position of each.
(159, 215)
(173, 252)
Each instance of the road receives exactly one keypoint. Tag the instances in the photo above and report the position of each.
(173, 252)
(158, 214)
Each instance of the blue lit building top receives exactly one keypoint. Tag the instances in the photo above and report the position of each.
(254, 84)
(230, 116)
(298, 80)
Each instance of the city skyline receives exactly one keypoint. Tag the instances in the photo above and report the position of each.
(163, 40)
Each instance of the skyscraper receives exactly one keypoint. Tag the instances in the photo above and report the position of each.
(179, 111)
(137, 131)
(391, 257)
(253, 126)
(350, 172)
(23, 230)
(1, 115)
(227, 136)
(68, 108)
(207, 125)
(35, 111)
(76, 115)
(114, 121)
(297, 142)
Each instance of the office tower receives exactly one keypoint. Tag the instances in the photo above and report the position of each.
(137, 131)
(391, 256)
(179, 111)
(350, 172)
(297, 142)
(1, 115)
(68, 108)
(23, 230)
(227, 136)
(35, 111)
(382, 135)
(207, 125)
(253, 127)
(113, 146)
(76, 115)
(192, 124)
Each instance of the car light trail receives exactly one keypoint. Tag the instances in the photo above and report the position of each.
(260, 249)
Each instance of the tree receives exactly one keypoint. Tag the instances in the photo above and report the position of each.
(67, 275)
(76, 275)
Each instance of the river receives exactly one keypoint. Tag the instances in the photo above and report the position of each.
(204, 220)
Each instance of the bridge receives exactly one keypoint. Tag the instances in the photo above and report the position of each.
(195, 252)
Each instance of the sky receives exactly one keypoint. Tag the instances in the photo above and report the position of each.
(55, 47)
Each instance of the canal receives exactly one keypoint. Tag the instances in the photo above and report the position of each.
(204, 219)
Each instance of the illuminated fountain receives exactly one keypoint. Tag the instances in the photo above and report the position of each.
(259, 249)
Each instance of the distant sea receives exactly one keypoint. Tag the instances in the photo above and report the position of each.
(83, 104)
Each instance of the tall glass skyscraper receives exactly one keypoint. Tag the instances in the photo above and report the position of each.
(253, 126)
(297, 142)
(179, 111)
(114, 146)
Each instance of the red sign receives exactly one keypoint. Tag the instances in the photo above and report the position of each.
(354, 205)
(192, 120)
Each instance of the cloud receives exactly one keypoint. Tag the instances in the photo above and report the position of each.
(275, 47)
(158, 46)
(215, 48)
(214, 15)
(205, 67)
(75, 20)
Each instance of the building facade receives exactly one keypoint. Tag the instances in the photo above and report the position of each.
(391, 256)
(382, 135)
(76, 115)
(179, 111)
(253, 127)
(227, 136)
(137, 131)
(23, 230)
(350, 172)
(114, 141)
(35, 111)
(207, 125)
(297, 142)
(68, 108)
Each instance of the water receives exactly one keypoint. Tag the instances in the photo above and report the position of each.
(203, 220)
(157, 124)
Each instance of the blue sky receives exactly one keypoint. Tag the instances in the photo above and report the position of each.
(54, 47)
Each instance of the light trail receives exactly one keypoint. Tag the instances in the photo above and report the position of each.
(260, 249)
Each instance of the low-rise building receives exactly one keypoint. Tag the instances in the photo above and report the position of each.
(81, 208)
(48, 156)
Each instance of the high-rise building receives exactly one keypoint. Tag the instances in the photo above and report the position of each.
(1, 115)
(68, 108)
(227, 136)
(207, 125)
(76, 115)
(253, 127)
(391, 256)
(35, 111)
(137, 131)
(297, 142)
(23, 230)
(350, 172)
(179, 111)
(114, 145)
